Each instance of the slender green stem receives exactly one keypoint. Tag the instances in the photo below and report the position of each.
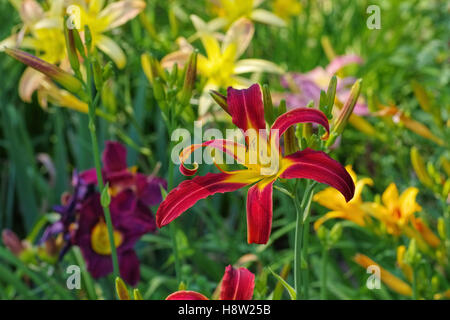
(306, 225)
(323, 278)
(305, 264)
(414, 284)
(92, 104)
(302, 211)
(173, 226)
(297, 248)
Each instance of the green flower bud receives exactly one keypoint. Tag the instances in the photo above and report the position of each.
(71, 47)
(64, 78)
(269, 111)
(336, 233)
(189, 79)
(345, 113)
(105, 198)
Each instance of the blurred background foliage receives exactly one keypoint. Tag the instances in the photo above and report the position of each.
(40, 148)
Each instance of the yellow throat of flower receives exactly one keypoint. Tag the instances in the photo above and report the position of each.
(100, 240)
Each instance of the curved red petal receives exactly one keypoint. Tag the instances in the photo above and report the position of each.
(232, 148)
(114, 157)
(237, 284)
(318, 166)
(259, 212)
(190, 191)
(246, 108)
(186, 295)
(300, 115)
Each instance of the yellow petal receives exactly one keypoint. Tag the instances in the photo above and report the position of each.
(359, 186)
(211, 46)
(386, 277)
(96, 5)
(175, 58)
(408, 204)
(330, 198)
(29, 83)
(420, 129)
(240, 34)
(328, 216)
(118, 13)
(206, 100)
(30, 11)
(112, 49)
(256, 65)
(267, 17)
(390, 197)
(362, 125)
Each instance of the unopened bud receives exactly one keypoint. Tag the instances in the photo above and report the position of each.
(105, 198)
(98, 74)
(419, 167)
(269, 112)
(152, 68)
(64, 78)
(12, 242)
(137, 294)
(107, 71)
(290, 142)
(220, 99)
(71, 47)
(346, 112)
(322, 234)
(88, 37)
(335, 233)
(189, 79)
(445, 165)
(182, 286)
(331, 93)
(121, 289)
(158, 90)
(422, 96)
(441, 228)
(412, 256)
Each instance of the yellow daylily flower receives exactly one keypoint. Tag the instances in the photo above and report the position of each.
(395, 211)
(397, 214)
(333, 200)
(230, 11)
(286, 9)
(394, 283)
(42, 31)
(101, 19)
(221, 65)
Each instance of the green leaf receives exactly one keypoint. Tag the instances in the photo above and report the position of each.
(286, 285)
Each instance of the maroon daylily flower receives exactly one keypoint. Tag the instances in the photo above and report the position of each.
(237, 284)
(247, 112)
(82, 219)
(92, 238)
(122, 180)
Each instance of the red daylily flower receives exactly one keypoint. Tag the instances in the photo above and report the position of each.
(237, 284)
(247, 111)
